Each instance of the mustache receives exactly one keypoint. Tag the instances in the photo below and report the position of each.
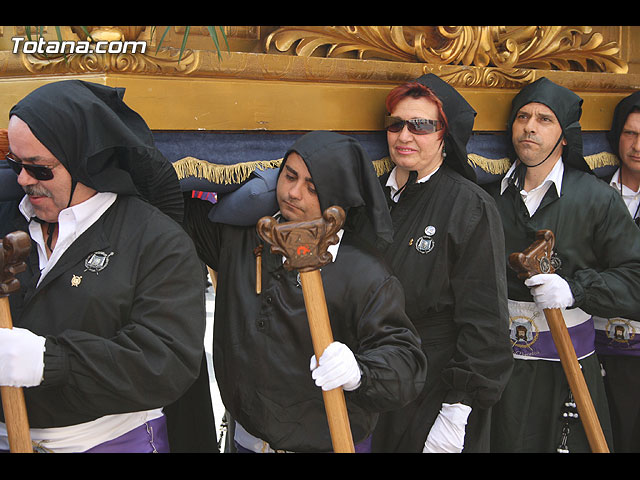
(529, 136)
(37, 191)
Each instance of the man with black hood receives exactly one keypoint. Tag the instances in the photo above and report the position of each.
(597, 255)
(262, 344)
(448, 252)
(617, 338)
(109, 320)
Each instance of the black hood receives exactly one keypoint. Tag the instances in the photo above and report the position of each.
(566, 106)
(101, 142)
(343, 175)
(620, 114)
(460, 116)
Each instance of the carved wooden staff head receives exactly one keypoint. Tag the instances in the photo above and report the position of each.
(303, 244)
(14, 249)
(537, 258)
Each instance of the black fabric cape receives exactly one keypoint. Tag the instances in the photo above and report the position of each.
(262, 343)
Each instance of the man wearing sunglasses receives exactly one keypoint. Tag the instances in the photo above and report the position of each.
(448, 252)
(617, 338)
(597, 270)
(109, 319)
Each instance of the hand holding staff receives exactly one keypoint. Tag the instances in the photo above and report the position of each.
(537, 258)
(14, 249)
(304, 245)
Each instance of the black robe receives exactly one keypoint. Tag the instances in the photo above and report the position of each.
(262, 343)
(599, 248)
(457, 299)
(123, 339)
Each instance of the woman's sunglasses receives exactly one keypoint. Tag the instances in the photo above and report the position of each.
(39, 172)
(417, 126)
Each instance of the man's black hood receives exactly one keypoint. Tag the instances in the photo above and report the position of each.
(343, 175)
(620, 114)
(101, 142)
(460, 117)
(566, 106)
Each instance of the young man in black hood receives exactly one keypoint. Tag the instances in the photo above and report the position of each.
(597, 246)
(109, 320)
(617, 338)
(262, 344)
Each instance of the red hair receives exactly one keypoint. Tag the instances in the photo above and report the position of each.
(416, 90)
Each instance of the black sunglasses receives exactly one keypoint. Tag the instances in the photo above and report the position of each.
(418, 126)
(39, 172)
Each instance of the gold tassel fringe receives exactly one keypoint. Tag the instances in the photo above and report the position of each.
(234, 174)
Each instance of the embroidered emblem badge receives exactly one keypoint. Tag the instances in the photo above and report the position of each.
(75, 280)
(620, 330)
(97, 261)
(524, 333)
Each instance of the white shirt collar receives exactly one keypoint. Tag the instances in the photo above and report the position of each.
(554, 176)
(615, 183)
(392, 182)
(72, 222)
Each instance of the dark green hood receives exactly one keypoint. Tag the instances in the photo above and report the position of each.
(567, 107)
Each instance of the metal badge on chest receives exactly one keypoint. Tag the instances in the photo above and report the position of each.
(425, 243)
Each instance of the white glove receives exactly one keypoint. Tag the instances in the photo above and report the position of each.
(21, 358)
(447, 433)
(338, 368)
(550, 290)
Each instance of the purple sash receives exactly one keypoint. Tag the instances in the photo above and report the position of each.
(150, 437)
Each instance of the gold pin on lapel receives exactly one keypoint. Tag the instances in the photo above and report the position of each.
(76, 280)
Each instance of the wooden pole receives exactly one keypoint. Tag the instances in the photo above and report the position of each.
(575, 378)
(304, 246)
(14, 249)
(536, 259)
(322, 336)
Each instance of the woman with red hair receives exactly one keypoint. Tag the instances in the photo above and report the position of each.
(448, 252)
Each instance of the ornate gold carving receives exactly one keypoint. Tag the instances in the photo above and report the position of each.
(484, 77)
(109, 33)
(164, 62)
(503, 47)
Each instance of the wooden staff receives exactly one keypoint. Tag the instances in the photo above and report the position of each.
(537, 258)
(304, 246)
(14, 249)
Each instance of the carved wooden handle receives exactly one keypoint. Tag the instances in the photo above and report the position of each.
(14, 249)
(303, 244)
(537, 258)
